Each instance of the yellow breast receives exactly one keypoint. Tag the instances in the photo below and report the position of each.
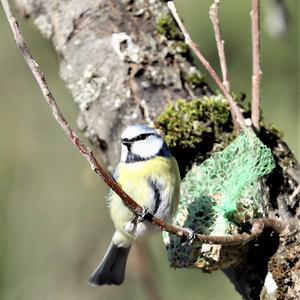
(157, 166)
(134, 179)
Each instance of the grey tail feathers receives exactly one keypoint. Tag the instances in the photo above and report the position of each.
(111, 270)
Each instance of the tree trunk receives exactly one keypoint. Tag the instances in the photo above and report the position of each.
(123, 61)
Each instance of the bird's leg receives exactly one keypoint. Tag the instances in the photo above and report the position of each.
(144, 215)
(188, 240)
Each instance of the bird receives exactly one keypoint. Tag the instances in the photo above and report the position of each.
(149, 174)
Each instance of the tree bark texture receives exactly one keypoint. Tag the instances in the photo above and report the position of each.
(121, 71)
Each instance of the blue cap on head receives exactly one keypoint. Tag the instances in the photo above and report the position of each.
(135, 130)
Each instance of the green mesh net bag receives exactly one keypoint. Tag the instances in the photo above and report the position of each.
(217, 196)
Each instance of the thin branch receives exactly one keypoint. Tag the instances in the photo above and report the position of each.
(256, 69)
(214, 16)
(258, 225)
(238, 118)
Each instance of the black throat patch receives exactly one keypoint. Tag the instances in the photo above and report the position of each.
(131, 157)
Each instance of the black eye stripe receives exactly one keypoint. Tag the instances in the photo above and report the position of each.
(140, 137)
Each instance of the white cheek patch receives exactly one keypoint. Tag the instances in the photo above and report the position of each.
(148, 147)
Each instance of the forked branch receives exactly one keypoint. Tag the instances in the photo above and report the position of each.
(238, 118)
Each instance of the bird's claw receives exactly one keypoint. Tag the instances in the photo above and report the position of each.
(143, 215)
(188, 240)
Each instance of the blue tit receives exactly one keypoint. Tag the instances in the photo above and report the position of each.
(149, 174)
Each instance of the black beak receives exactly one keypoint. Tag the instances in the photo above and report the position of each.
(127, 143)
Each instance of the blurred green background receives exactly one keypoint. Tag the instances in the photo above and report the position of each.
(54, 222)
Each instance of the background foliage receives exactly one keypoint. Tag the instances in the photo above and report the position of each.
(54, 221)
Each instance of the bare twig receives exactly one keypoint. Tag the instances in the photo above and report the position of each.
(257, 228)
(258, 225)
(214, 16)
(238, 118)
(256, 70)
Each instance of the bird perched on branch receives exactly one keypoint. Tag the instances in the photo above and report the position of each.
(149, 174)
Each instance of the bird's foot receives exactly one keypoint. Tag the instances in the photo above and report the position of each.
(188, 240)
(144, 215)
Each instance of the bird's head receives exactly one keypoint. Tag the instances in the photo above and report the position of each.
(140, 142)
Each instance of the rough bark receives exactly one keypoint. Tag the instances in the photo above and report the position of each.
(120, 70)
